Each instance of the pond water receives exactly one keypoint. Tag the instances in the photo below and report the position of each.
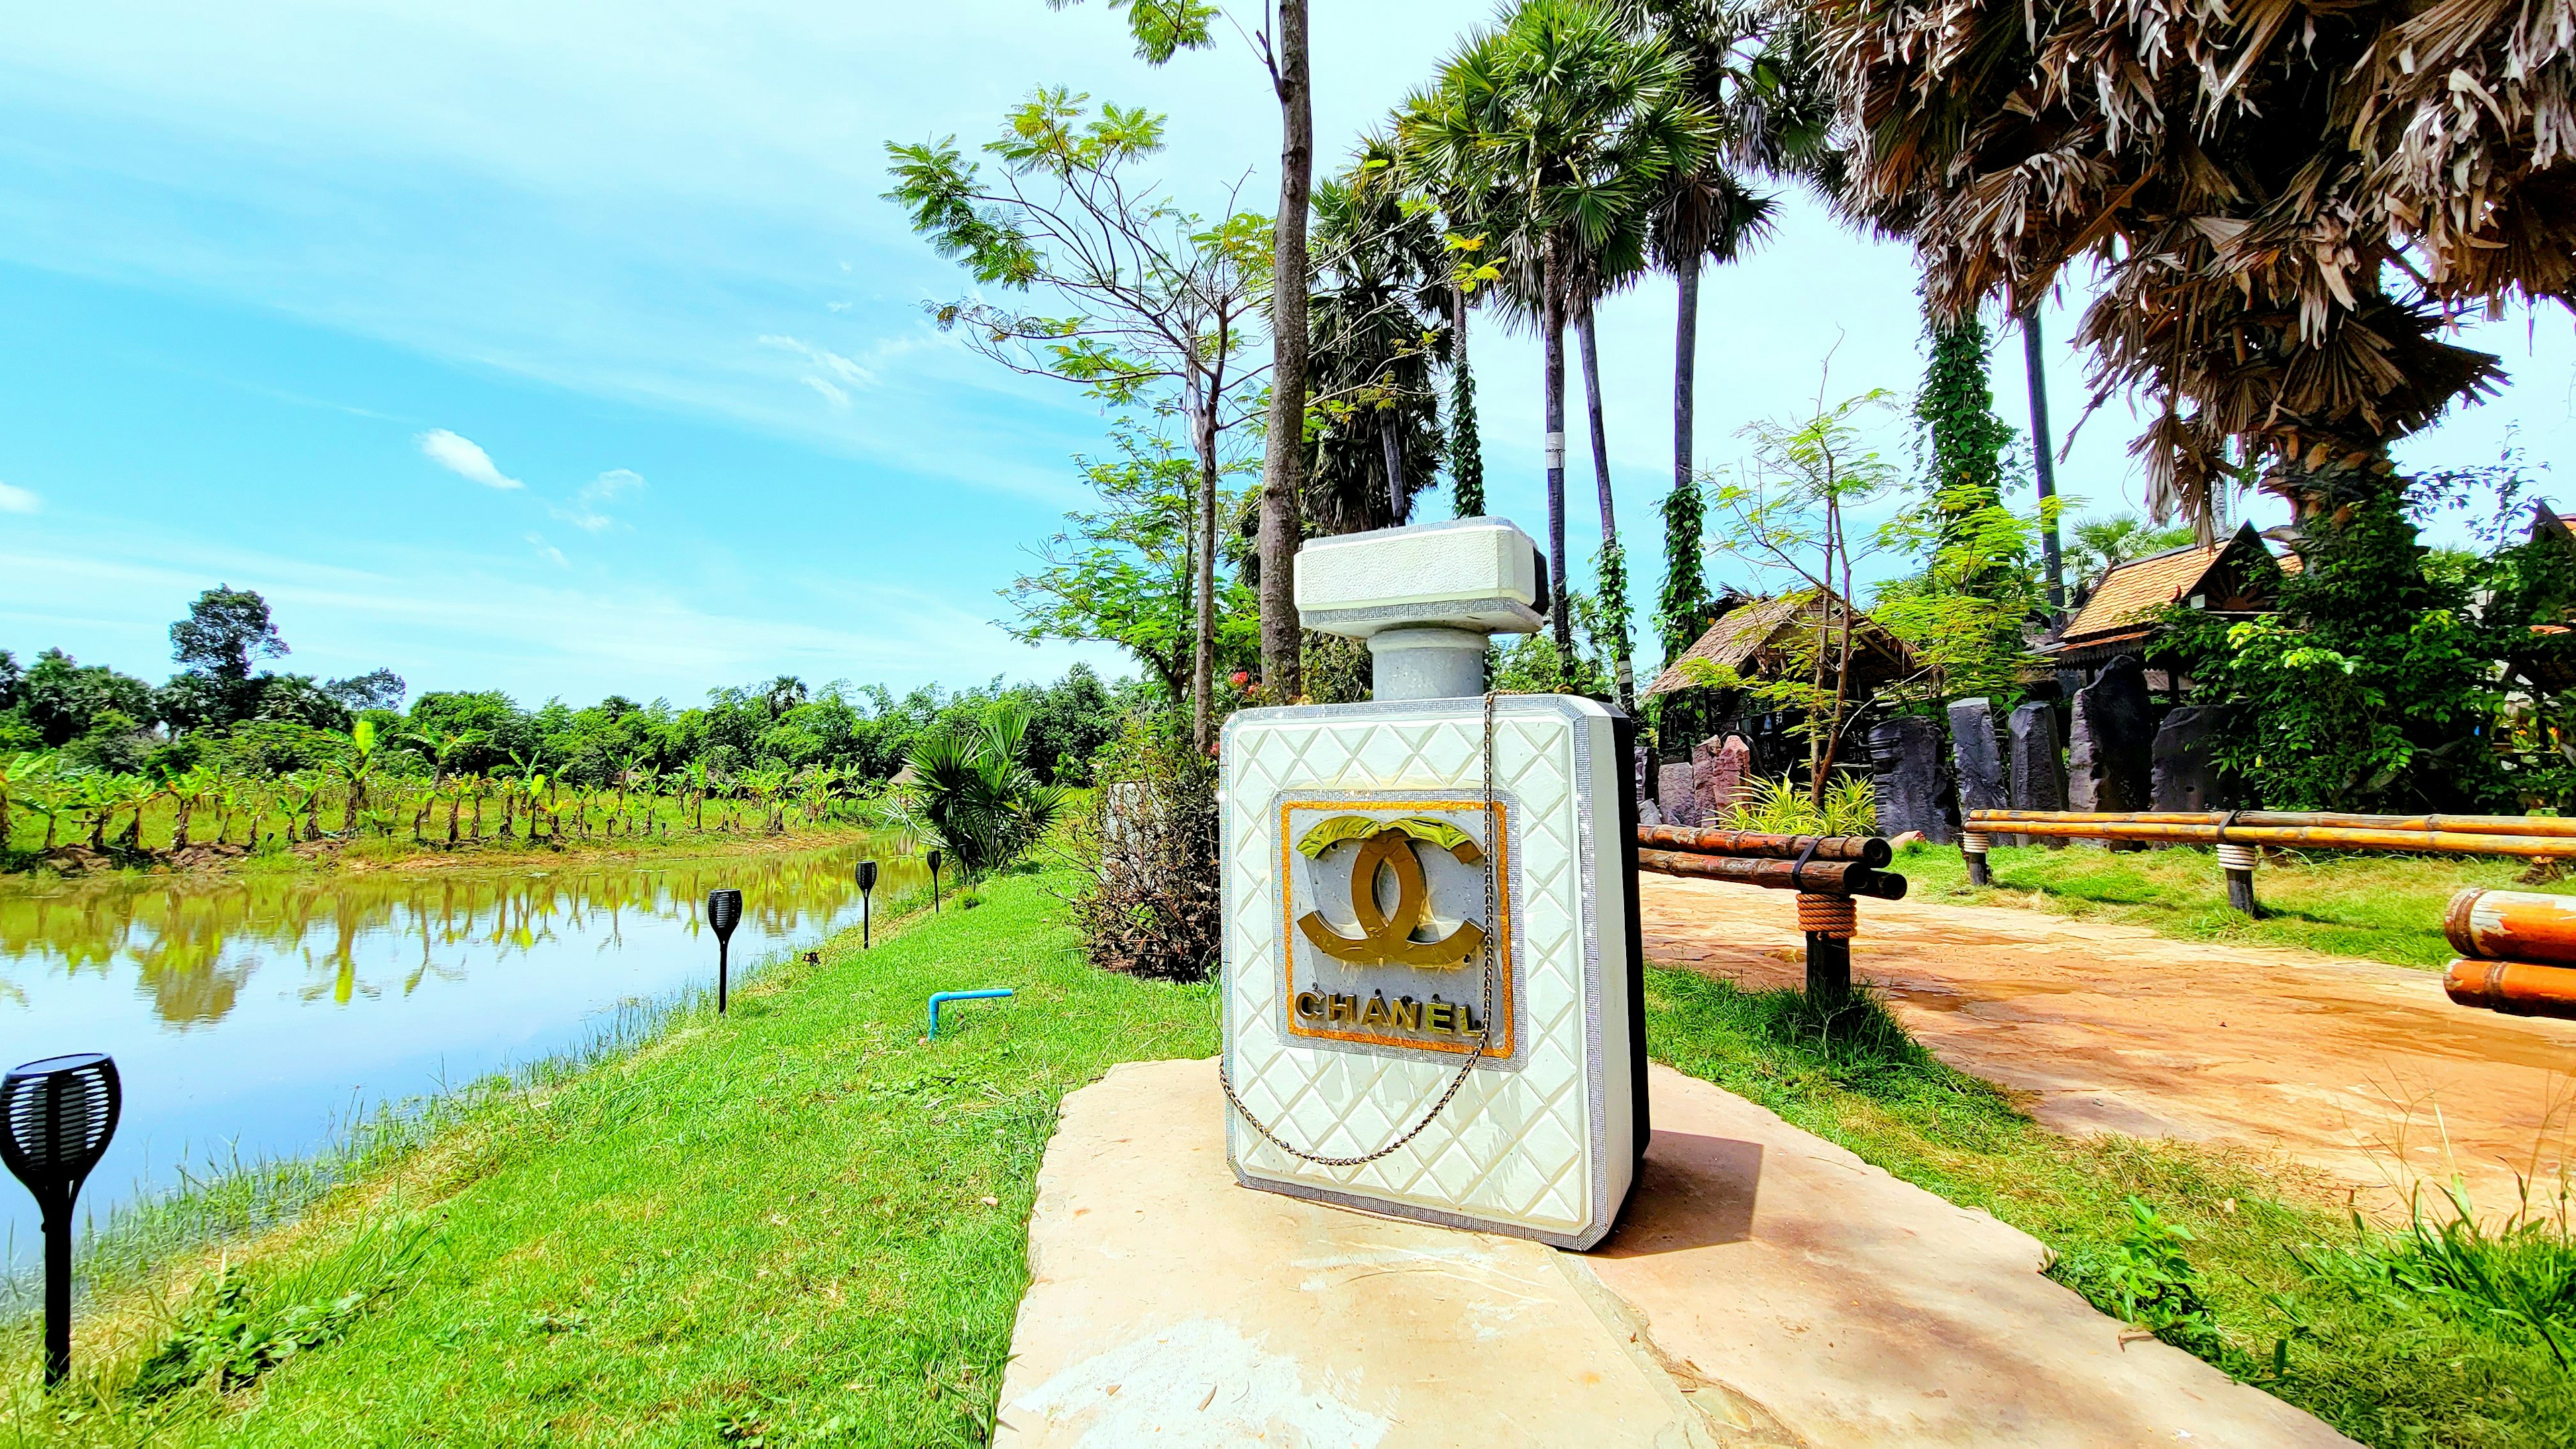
(254, 1016)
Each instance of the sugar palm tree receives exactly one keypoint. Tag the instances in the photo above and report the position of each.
(2283, 224)
(1569, 127)
(1374, 324)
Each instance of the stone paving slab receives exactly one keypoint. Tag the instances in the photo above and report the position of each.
(1765, 1288)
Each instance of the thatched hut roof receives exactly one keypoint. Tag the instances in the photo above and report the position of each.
(1755, 642)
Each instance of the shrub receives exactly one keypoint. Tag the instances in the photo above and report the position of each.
(1153, 905)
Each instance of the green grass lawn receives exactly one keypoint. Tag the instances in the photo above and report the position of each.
(2382, 907)
(803, 1225)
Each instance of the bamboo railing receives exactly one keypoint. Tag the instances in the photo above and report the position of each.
(2517, 952)
(1830, 873)
(2538, 837)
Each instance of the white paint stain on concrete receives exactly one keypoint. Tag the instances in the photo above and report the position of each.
(1199, 1384)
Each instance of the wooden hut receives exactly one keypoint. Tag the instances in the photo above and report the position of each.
(2225, 578)
(1770, 639)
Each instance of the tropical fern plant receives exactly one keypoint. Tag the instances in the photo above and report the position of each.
(972, 796)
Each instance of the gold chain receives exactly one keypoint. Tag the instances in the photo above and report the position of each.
(1484, 1032)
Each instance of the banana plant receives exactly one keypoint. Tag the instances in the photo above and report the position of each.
(695, 779)
(355, 766)
(23, 774)
(300, 794)
(188, 789)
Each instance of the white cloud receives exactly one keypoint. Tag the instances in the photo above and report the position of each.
(585, 513)
(548, 551)
(18, 500)
(465, 458)
(849, 370)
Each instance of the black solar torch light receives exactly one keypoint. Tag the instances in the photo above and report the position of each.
(867, 882)
(724, 912)
(55, 1118)
(934, 882)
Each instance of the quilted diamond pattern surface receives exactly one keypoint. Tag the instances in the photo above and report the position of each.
(1516, 1147)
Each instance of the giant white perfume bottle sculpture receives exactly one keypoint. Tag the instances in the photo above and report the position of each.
(1430, 949)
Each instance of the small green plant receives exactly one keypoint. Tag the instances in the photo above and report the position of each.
(1784, 807)
(2520, 1273)
(239, 1326)
(2146, 1278)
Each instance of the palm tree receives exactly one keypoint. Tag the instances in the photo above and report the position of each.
(2249, 210)
(971, 794)
(1569, 127)
(1374, 324)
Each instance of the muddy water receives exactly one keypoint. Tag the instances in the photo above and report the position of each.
(253, 1016)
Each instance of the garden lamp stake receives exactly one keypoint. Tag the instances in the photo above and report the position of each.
(934, 882)
(56, 1116)
(867, 882)
(724, 912)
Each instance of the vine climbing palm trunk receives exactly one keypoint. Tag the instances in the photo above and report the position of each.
(1614, 581)
(1466, 454)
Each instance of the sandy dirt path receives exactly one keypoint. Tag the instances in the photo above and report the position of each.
(2363, 1070)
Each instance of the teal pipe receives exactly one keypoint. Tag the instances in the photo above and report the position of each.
(937, 997)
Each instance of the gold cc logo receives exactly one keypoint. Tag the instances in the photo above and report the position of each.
(1386, 937)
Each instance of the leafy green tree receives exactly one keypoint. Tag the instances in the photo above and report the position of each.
(225, 630)
(2372, 689)
(376, 689)
(1788, 510)
(1125, 573)
(63, 698)
(1164, 301)
(1964, 441)
(1277, 35)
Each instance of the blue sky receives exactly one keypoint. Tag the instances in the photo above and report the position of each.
(569, 348)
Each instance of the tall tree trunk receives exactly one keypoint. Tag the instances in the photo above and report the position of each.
(1390, 445)
(1614, 590)
(1203, 651)
(2043, 465)
(1466, 451)
(1283, 456)
(1552, 328)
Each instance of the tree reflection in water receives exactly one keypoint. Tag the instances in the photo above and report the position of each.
(194, 945)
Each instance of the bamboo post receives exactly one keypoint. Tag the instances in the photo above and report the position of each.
(1829, 923)
(2238, 862)
(1973, 845)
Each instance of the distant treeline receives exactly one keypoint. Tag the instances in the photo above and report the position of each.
(217, 710)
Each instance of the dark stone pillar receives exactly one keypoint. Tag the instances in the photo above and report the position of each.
(2110, 751)
(1906, 753)
(1977, 757)
(2185, 778)
(2038, 771)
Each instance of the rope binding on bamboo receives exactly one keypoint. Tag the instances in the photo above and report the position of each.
(1836, 916)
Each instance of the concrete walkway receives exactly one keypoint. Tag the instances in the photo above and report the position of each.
(2363, 1070)
(1765, 1288)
